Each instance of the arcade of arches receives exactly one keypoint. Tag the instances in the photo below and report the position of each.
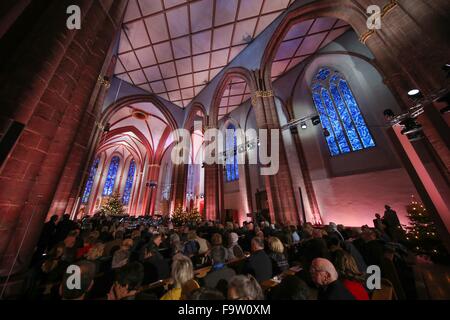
(92, 112)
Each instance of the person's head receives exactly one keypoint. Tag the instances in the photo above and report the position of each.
(70, 241)
(192, 235)
(127, 244)
(128, 279)
(54, 218)
(387, 207)
(174, 237)
(250, 226)
(260, 234)
(346, 266)
(66, 217)
(135, 234)
(333, 244)
(368, 235)
(118, 235)
(275, 245)
(182, 270)
(68, 290)
(244, 287)
(317, 233)
(216, 239)
(323, 272)
(291, 288)
(377, 215)
(233, 238)
(218, 254)
(57, 251)
(257, 244)
(120, 258)
(205, 294)
(95, 252)
(157, 239)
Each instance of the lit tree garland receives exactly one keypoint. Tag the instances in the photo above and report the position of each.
(181, 217)
(114, 206)
(422, 235)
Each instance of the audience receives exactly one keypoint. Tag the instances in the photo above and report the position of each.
(220, 273)
(325, 276)
(258, 264)
(143, 257)
(244, 287)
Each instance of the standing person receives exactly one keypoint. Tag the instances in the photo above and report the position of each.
(46, 240)
(378, 222)
(392, 223)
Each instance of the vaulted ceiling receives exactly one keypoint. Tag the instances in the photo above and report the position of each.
(175, 47)
(141, 129)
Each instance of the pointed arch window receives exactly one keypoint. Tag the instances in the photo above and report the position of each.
(111, 178)
(339, 113)
(231, 164)
(129, 183)
(90, 181)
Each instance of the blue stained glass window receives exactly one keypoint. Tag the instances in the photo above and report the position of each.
(231, 164)
(90, 181)
(129, 183)
(339, 113)
(111, 178)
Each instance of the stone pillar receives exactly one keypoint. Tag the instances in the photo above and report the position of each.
(212, 205)
(435, 197)
(179, 179)
(279, 187)
(309, 187)
(49, 92)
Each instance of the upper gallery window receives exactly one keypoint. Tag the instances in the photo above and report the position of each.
(345, 127)
(111, 178)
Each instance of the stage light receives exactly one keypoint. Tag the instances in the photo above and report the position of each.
(303, 125)
(388, 114)
(315, 120)
(413, 92)
(445, 99)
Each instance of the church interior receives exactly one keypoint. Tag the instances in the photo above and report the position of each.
(347, 99)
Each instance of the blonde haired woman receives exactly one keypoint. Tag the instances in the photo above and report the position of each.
(183, 278)
(276, 254)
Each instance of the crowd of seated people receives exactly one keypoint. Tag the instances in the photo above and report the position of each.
(141, 258)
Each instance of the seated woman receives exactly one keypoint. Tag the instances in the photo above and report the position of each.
(349, 274)
(234, 249)
(183, 278)
(276, 254)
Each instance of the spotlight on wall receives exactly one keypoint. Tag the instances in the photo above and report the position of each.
(303, 125)
(152, 184)
(446, 68)
(315, 120)
(445, 99)
(415, 94)
(412, 129)
(388, 114)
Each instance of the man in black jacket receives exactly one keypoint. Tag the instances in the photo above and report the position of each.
(258, 264)
(325, 276)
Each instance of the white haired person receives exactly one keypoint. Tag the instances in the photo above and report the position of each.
(325, 276)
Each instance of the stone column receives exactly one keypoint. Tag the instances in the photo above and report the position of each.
(62, 79)
(279, 187)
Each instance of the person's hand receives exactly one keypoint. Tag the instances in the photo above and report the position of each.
(111, 294)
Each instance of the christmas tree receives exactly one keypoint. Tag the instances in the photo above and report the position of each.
(422, 235)
(181, 217)
(114, 206)
(194, 216)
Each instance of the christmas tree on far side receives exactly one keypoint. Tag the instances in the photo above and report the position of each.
(114, 206)
(422, 235)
